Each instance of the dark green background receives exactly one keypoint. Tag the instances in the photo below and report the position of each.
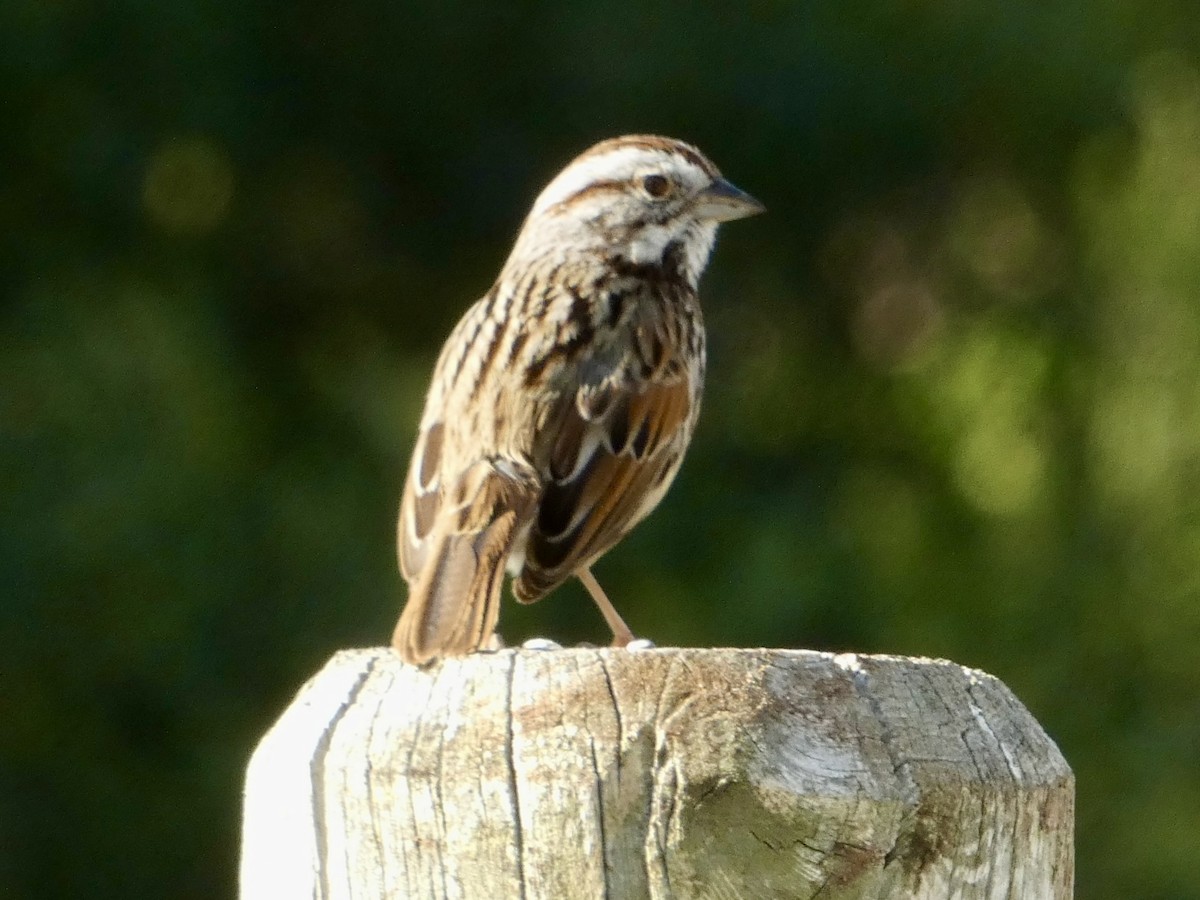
(953, 405)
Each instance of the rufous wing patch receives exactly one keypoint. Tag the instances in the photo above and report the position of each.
(586, 512)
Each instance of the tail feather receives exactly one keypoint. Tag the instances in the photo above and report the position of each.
(452, 610)
(454, 601)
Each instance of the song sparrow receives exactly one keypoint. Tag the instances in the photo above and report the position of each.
(563, 401)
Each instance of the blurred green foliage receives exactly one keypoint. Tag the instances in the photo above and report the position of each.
(953, 405)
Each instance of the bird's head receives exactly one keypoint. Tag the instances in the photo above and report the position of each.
(645, 199)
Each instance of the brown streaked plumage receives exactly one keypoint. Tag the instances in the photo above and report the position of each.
(563, 401)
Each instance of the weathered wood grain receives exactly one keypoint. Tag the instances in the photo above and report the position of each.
(659, 773)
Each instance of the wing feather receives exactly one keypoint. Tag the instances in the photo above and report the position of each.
(421, 502)
(607, 475)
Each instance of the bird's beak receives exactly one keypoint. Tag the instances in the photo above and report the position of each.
(722, 202)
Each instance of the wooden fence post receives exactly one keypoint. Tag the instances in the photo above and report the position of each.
(658, 773)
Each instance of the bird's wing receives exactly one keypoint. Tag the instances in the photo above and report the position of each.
(615, 448)
(459, 517)
(433, 461)
(421, 501)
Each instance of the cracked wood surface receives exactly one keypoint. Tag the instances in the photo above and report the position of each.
(660, 773)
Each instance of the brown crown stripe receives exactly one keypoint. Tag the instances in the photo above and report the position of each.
(654, 142)
(608, 186)
(612, 185)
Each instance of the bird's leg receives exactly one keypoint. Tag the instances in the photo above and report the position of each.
(621, 633)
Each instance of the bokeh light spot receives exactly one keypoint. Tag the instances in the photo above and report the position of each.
(986, 372)
(1000, 468)
(1002, 241)
(1135, 440)
(188, 186)
(895, 324)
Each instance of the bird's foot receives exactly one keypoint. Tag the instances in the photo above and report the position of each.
(541, 644)
(640, 644)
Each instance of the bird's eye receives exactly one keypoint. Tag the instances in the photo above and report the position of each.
(657, 186)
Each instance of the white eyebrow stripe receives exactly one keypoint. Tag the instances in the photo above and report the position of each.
(620, 164)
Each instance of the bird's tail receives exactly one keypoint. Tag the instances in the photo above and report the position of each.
(454, 600)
